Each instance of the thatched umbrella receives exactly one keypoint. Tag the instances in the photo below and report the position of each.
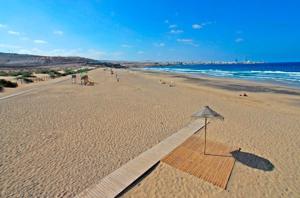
(206, 113)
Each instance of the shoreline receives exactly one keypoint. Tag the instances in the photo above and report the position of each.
(201, 75)
(239, 85)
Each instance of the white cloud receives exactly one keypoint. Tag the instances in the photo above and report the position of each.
(187, 42)
(197, 26)
(58, 32)
(40, 41)
(166, 21)
(140, 52)
(13, 32)
(239, 40)
(161, 44)
(176, 31)
(3, 26)
(126, 46)
(172, 26)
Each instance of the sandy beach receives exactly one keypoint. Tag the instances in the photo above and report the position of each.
(57, 141)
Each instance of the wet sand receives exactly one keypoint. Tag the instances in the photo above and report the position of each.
(58, 141)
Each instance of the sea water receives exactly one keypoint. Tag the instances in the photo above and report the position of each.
(280, 73)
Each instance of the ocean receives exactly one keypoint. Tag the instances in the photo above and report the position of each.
(278, 73)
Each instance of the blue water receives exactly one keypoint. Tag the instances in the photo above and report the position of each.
(282, 73)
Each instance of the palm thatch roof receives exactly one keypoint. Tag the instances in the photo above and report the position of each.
(207, 112)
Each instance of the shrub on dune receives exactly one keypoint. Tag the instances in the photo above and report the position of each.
(49, 72)
(83, 70)
(27, 75)
(3, 73)
(20, 73)
(7, 83)
(43, 71)
(17, 73)
(52, 75)
(25, 79)
(68, 72)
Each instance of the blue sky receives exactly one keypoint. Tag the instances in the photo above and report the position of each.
(261, 30)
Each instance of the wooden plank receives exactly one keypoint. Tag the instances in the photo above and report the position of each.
(114, 183)
(215, 166)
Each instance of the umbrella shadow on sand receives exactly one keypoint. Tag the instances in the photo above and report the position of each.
(253, 161)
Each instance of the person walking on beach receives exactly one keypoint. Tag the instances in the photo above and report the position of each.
(73, 78)
(118, 79)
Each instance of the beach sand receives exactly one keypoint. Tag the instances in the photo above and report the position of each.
(25, 86)
(58, 141)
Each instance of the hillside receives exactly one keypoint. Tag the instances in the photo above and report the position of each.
(12, 60)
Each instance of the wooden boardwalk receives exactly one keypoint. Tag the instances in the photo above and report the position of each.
(114, 183)
(214, 167)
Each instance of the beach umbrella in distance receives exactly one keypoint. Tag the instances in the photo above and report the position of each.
(207, 113)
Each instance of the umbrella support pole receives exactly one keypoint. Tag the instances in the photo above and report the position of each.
(205, 135)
